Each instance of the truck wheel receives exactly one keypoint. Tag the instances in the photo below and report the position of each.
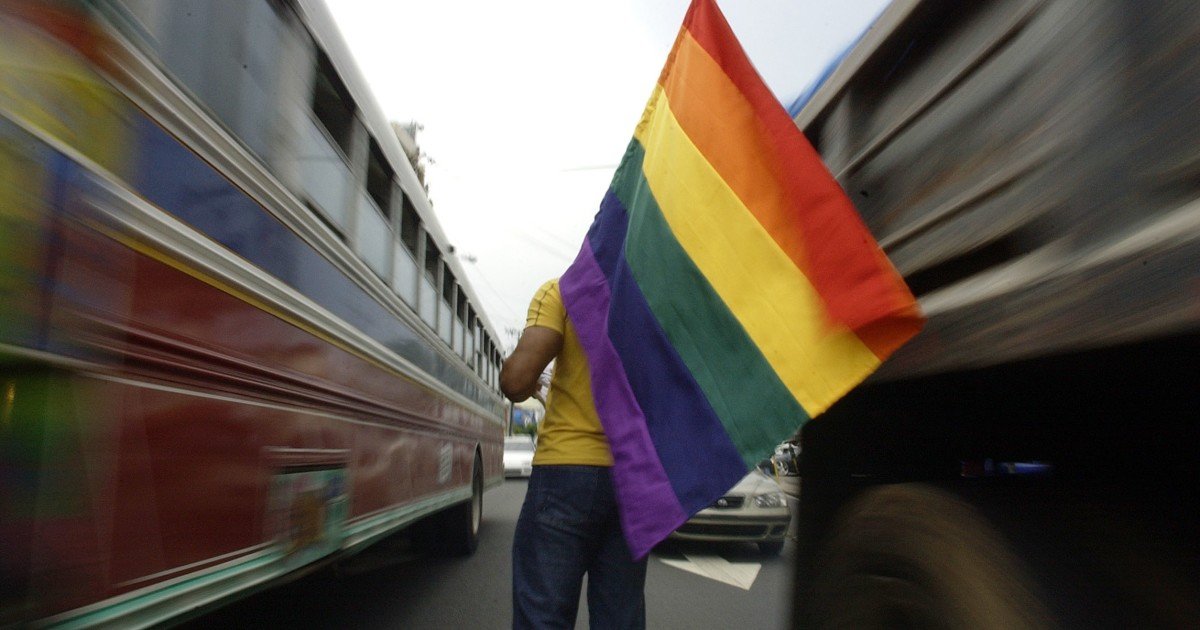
(459, 531)
(912, 556)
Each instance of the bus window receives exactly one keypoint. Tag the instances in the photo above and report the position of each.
(484, 368)
(433, 261)
(373, 228)
(332, 104)
(491, 367)
(447, 284)
(446, 314)
(460, 323)
(373, 237)
(471, 337)
(404, 260)
(410, 224)
(323, 143)
(379, 180)
(499, 360)
(429, 293)
(496, 362)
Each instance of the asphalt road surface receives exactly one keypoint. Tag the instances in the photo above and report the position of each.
(393, 585)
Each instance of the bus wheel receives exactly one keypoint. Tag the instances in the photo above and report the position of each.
(460, 524)
(913, 556)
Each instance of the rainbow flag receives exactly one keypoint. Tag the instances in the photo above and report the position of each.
(727, 291)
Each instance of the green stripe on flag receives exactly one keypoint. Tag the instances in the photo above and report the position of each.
(753, 404)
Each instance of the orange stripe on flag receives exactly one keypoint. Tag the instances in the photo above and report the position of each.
(771, 165)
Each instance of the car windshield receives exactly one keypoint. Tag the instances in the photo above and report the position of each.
(519, 446)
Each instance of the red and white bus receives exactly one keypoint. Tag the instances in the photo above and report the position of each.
(234, 340)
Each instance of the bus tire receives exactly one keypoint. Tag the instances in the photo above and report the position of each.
(460, 524)
(910, 555)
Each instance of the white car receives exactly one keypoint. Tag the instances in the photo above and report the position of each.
(755, 510)
(518, 455)
(784, 465)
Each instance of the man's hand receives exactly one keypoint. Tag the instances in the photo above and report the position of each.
(542, 390)
(519, 374)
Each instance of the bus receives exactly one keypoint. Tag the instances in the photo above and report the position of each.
(235, 343)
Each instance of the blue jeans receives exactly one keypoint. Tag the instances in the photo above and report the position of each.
(568, 527)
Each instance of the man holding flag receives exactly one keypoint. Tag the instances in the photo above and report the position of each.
(569, 524)
(726, 293)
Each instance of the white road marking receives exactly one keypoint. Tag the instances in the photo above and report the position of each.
(739, 574)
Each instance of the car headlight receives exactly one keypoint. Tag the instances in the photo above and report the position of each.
(773, 500)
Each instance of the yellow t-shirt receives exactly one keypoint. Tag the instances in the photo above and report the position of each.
(571, 431)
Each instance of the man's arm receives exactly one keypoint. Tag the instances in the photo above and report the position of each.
(519, 374)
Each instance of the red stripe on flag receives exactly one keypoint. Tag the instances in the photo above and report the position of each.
(844, 264)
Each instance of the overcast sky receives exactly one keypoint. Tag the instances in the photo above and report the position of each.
(527, 105)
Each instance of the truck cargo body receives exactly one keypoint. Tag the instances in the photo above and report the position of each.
(1032, 167)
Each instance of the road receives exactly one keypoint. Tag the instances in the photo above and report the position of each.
(396, 586)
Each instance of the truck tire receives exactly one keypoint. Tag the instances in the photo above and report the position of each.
(913, 556)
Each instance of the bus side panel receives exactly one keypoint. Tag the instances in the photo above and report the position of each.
(161, 458)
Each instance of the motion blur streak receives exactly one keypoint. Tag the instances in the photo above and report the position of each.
(1032, 168)
(205, 386)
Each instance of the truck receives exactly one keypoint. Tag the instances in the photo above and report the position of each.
(1032, 168)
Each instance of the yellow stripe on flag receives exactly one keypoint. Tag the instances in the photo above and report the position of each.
(780, 311)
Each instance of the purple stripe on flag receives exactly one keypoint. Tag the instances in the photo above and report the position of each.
(682, 424)
(647, 501)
